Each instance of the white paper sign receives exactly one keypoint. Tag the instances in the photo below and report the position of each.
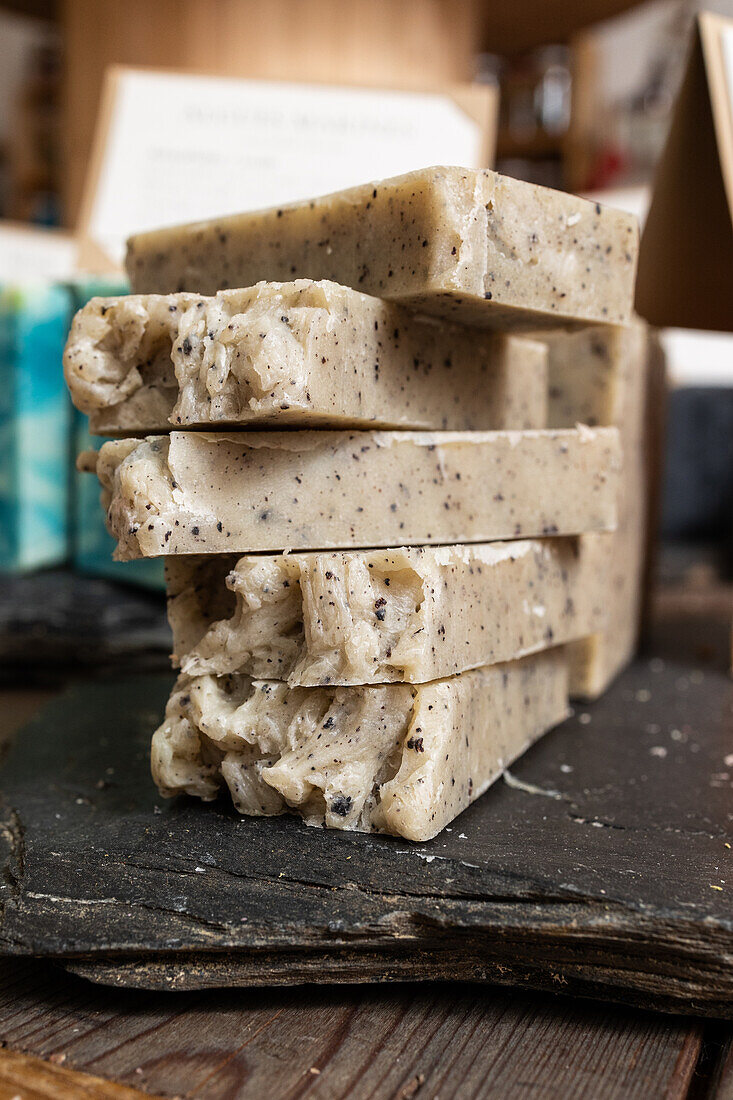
(697, 358)
(28, 254)
(181, 148)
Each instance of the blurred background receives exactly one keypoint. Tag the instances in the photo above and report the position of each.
(573, 94)
(586, 86)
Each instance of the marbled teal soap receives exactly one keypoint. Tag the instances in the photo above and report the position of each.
(35, 427)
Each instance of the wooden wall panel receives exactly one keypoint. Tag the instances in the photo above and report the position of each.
(394, 43)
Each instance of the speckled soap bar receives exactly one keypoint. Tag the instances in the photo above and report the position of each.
(473, 246)
(395, 759)
(589, 372)
(410, 614)
(194, 492)
(600, 377)
(304, 353)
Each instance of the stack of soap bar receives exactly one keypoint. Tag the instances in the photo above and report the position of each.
(601, 376)
(371, 620)
(302, 353)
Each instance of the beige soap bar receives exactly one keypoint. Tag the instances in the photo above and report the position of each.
(396, 759)
(472, 246)
(410, 614)
(302, 353)
(600, 377)
(192, 492)
(588, 374)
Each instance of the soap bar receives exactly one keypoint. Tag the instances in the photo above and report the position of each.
(35, 428)
(92, 546)
(300, 353)
(588, 373)
(193, 492)
(600, 377)
(472, 246)
(410, 614)
(395, 759)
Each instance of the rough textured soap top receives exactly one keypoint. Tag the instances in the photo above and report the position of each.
(195, 492)
(409, 614)
(301, 353)
(393, 759)
(470, 245)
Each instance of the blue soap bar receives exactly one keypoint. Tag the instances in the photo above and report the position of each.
(96, 286)
(35, 427)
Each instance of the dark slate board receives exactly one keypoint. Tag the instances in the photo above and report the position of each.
(54, 621)
(596, 879)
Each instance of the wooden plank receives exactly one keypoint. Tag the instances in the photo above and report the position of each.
(24, 1078)
(378, 1042)
(602, 872)
(722, 1073)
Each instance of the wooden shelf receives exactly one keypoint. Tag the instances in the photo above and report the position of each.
(513, 28)
(541, 147)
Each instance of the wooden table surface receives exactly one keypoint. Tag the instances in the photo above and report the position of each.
(427, 1040)
(61, 1036)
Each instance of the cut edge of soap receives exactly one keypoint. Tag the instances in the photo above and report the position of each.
(425, 751)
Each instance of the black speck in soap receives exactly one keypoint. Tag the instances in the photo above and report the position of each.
(341, 804)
